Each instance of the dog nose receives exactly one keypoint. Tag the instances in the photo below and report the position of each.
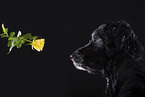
(74, 54)
(71, 56)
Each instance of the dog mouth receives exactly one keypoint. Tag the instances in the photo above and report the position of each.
(81, 66)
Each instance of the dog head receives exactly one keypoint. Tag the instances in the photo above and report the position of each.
(107, 40)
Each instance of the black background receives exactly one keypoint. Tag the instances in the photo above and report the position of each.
(66, 25)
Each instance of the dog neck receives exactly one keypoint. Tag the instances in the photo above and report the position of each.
(113, 74)
(117, 69)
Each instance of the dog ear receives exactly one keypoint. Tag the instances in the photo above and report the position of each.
(127, 40)
(115, 35)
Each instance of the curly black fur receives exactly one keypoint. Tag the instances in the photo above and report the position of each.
(115, 52)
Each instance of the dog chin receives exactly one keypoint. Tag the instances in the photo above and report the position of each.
(83, 67)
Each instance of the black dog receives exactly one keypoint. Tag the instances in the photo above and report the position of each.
(115, 52)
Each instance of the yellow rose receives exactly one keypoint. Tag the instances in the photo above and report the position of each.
(38, 44)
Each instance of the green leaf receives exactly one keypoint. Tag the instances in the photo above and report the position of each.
(33, 37)
(4, 35)
(27, 36)
(19, 45)
(5, 30)
(9, 43)
(23, 41)
(15, 39)
(12, 34)
(17, 42)
(20, 42)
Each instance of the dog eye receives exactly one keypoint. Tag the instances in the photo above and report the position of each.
(98, 41)
(94, 37)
